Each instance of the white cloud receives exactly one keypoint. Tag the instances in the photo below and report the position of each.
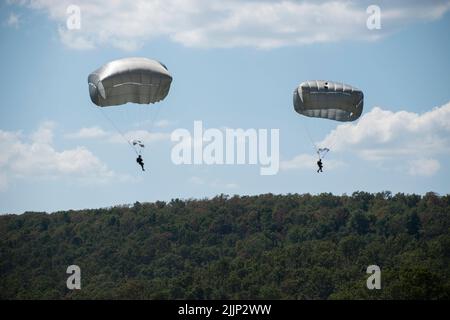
(423, 167)
(145, 136)
(13, 20)
(88, 133)
(233, 23)
(301, 161)
(44, 135)
(35, 157)
(383, 135)
(75, 39)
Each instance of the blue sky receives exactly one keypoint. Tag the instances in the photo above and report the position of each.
(234, 65)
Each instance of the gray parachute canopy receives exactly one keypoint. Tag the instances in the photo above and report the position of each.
(328, 100)
(137, 80)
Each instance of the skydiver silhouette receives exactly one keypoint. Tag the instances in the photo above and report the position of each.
(140, 161)
(320, 165)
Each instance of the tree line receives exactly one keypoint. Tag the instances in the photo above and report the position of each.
(294, 246)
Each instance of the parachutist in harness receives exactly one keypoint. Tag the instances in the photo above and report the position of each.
(329, 100)
(321, 152)
(138, 146)
(145, 81)
(320, 165)
(140, 161)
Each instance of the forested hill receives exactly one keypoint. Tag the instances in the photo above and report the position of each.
(249, 247)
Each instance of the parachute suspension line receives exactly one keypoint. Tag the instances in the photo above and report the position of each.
(153, 86)
(305, 128)
(155, 118)
(118, 130)
(321, 152)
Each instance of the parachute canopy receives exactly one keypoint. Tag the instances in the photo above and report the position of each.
(137, 80)
(328, 100)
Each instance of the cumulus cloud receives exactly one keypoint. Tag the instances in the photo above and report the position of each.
(382, 135)
(145, 136)
(35, 156)
(233, 23)
(74, 39)
(88, 133)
